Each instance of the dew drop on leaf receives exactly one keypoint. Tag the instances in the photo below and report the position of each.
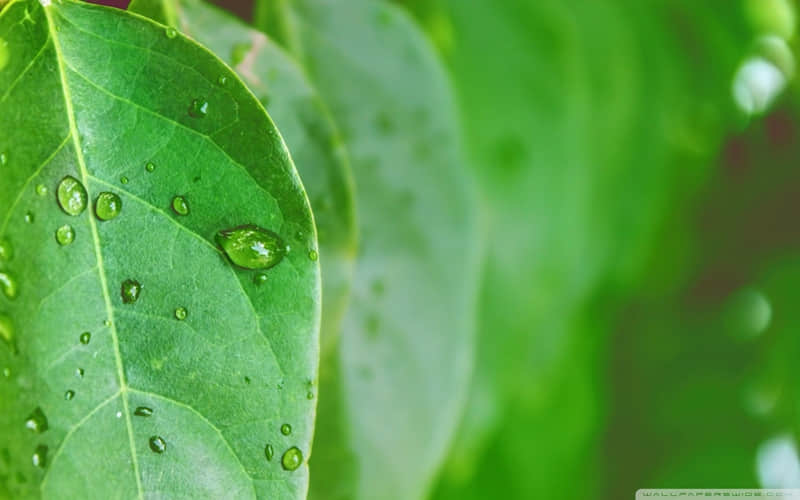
(106, 323)
(30, 217)
(79, 372)
(181, 313)
(130, 291)
(310, 395)
(37, 421)
(65, 235)
(71, 196)
(222, 80)
(157, 444)
(143, 411)
(180, 205)
(5, 54)
(313, 255)
(107, 206)
(251, 247)
(150, 166)
(39, 458)
(85, 338)
(3, 158)
(9, 285)
(69, 395)
(198, 108)
(171, 33)
(260, 278)
(41, 190)
(269, 451)
(6, 250)
(286, 429)
(6, 372)
(123, 179)
(7, 332)
(292, 458)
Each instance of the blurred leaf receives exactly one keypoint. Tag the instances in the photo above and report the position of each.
(98, 94)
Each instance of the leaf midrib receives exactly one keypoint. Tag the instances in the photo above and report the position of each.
(73, 130)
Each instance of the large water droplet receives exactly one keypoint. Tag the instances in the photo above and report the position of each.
(181, 313)
(6, 250)
(107, 206)
(180, 205)
(286, 429)
(71, 195)
(130, 291)
(292, 458)
(143, 411)
(7, 332)
(251, 247)
(69, 395)
(269, 451)
(85, 338)
(65, 235)
(39, 458)
(157, 444)
(37, 421)
(8, 284)
(198, 108)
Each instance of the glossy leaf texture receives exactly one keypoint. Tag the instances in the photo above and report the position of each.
(407, 341)
(148, 363)
(305, 124)
(618, 127)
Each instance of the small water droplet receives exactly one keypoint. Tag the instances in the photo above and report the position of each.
(30, 217)
(181, 313)
(69, 395)
(106, 323)
(198, 108)
(65, 235)
(6, 372)
(269, 451)
(37, 421)
(222, 80)
(157, 444)
(247, 380)
(71, 196)
(118, 414)
(143, 411)
(79, 372)
(5, 54)
(6, 250)
(130, 291)
(41, 190)
(180, 205)
(85, 338)
(171, 32)
(3, 158)
(150, 166)
(292, 458)
(9, 285)
(313, 255)
(39, 458)
(107, 206)
(286, 429)
(310, 395)
(251, 247)
(260, 278)
(7, 332)
(123, 179)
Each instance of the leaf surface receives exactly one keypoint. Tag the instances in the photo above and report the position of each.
(222, 359)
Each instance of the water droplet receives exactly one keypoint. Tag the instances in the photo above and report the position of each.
(71, 196)
(6, 250)
(123, 179)
(37, 421)
(30, 217)
(39, 458)
(251, 247)
(5, 53)
(6, 372)
(150, 166)
(3, 158)
(107, 206)
(143, 411)
(180, 205)
(260, 278)
(65, 235)
(171, 33)
(79, 372)
(9, 285)
(118, 414)
(198, 108)
(157, 444)
(181, 313)
(69, 395)
(286, 429)
(41, 190)
(247, 380)
(310, 395)
(131, 289)
(222, 80)
(292, 459)
(269, 451)
(85, 338)
(313, 255)
(7, 332)
(106, 323)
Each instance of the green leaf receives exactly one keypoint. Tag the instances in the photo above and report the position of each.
(317, 150)
(406, 353)
(222, 360)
